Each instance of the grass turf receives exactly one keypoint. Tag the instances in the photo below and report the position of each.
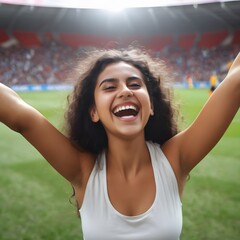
(34, 198)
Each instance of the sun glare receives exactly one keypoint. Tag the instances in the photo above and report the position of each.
(113, 6)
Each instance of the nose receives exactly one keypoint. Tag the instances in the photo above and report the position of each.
(125, 92)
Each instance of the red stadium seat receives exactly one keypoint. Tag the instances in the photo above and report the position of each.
(27, 39)
(3, 36)
(212, 39)
(186, 41)
(80, 40)
(157, 43)
(236, 37)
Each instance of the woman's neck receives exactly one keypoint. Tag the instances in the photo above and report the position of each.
(127, 157)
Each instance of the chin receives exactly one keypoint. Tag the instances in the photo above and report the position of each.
(129, 134)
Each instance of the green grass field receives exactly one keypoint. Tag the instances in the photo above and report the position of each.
(34, 199)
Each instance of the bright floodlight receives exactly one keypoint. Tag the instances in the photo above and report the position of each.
(115, 5)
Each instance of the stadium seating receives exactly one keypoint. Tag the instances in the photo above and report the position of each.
(236, 37)
(3, 36)
(212, 39)
(27, 39)
(80, 40)
(157, 43)
(186, 41)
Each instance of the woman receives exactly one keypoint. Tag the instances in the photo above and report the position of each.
(123, 153)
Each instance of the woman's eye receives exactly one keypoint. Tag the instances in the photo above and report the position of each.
(134, 85)
(107, 88)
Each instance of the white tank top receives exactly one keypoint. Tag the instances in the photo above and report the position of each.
(162, 221)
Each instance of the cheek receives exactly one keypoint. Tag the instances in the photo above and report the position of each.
(145, 97)
(147, 104)
(102, 103)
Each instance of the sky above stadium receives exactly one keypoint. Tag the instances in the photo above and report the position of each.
(108, 4)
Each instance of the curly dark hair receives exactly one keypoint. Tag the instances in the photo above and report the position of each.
(90, 136)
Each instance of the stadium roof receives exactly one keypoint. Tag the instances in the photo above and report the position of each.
(206, 17)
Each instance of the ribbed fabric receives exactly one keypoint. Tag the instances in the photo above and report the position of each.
(162, 221)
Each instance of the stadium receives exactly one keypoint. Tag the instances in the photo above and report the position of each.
(39, 44)
(183, 36)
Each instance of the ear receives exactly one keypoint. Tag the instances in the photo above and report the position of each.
(94, 114)
(152, 110)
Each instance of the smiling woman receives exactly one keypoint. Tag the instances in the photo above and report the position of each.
(122, 152)
(119, 86)
(116, 73)
(128, 109)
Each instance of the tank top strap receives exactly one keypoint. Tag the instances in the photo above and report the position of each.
(164, 174)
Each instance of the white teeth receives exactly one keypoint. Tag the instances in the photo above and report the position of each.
(126, 117)
(121, 108)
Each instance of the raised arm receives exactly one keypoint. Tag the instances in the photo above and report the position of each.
(53, 145)
(194, 143)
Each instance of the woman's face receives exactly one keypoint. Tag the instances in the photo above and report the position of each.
(122, 102)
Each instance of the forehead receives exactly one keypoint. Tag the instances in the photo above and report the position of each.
(118, 70)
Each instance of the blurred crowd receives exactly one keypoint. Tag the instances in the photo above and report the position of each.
(199, 64)
(46, 64)
(52, 63)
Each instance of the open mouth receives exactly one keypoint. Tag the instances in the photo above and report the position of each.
(126, 111)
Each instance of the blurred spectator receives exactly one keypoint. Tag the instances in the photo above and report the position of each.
(47, 64)
(51, 63)
(199, 63)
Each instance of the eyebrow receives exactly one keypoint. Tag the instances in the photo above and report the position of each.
(108, 80)
(113, 80)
